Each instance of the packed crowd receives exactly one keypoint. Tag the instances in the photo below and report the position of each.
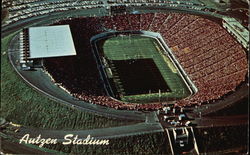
(213, 59)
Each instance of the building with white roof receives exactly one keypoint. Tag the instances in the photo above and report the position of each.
(51, 41)
(37, 43)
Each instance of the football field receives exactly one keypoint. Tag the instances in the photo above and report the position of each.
(141, 70)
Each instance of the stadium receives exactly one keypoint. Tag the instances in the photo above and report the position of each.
(209, 55)
(161, 66)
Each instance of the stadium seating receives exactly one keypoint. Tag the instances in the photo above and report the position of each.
(212, 58)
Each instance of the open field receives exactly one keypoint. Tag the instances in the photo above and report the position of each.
(23, 105)
(137, 48)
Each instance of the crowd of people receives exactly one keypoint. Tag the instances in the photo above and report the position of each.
(212, 58)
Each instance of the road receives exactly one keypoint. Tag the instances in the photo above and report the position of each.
(205, 122)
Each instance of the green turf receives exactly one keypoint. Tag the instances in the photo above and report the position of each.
(22, 105)
(141, 47)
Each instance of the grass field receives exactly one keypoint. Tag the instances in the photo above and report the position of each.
(22, 105)
(136, 47)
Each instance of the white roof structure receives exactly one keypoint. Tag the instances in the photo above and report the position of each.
(51, 41)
